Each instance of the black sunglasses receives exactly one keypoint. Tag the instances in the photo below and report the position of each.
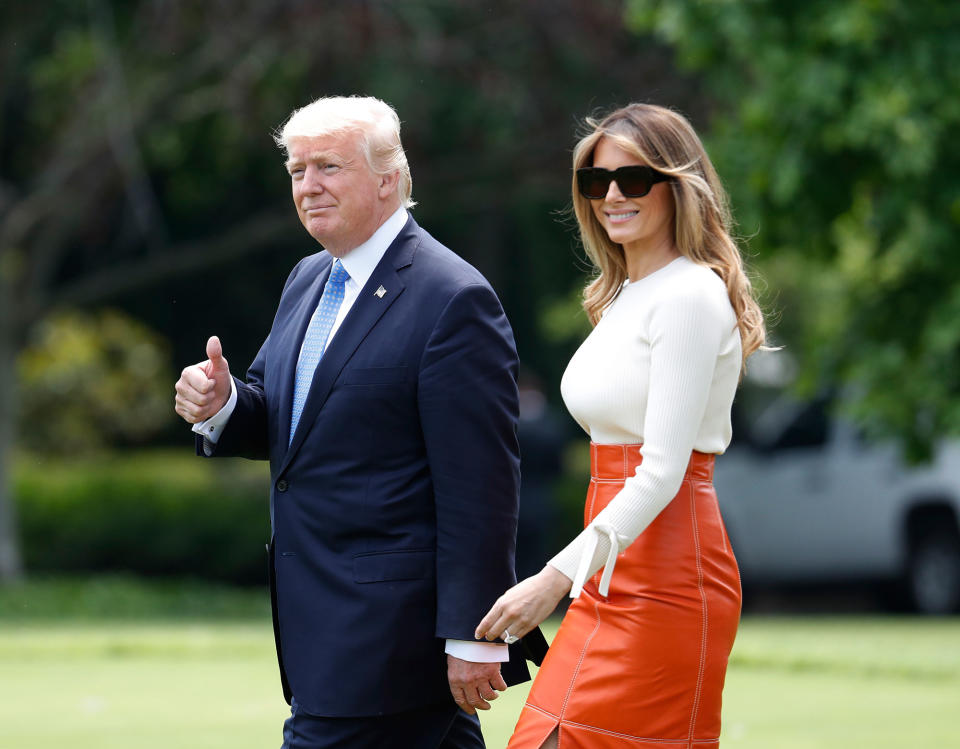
(633, 181)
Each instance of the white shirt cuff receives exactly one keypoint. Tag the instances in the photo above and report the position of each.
(478, 652)
(212, 427)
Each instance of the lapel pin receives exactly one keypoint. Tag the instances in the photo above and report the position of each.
(380, 292)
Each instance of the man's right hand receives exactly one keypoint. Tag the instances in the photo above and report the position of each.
(204, 388)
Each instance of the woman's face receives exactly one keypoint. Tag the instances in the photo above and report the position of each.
(634, 223)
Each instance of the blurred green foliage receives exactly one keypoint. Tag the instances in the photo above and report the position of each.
(157, 121)
(93, 380)
(157, 513)
(124, 597)
(835, 128)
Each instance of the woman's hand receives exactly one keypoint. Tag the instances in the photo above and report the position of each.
(525, 605)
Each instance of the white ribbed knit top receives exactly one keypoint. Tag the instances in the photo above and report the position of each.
(660, 368)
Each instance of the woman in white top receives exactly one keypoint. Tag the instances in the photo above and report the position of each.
(641, 656)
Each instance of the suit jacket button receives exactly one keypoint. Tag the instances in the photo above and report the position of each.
(282, 485)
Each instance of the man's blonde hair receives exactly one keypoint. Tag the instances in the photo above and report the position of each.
(375, 121)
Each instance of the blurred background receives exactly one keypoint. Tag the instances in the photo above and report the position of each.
(144, 207)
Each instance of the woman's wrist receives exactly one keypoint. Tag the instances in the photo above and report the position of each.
(557, 582)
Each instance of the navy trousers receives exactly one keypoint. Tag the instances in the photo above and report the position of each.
(434, 727)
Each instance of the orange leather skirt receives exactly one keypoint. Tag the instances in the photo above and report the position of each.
(644, 666)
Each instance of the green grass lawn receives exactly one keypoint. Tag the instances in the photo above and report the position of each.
(196, 669)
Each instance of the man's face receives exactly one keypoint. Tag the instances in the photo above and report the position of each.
(339, 199)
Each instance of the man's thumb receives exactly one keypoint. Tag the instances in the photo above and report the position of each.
(214, 350)
(215, 361)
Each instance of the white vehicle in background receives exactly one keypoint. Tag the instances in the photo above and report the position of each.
(807, 502)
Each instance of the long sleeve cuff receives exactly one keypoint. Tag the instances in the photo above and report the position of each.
(597, 546)
(211, 428)
(478, 652)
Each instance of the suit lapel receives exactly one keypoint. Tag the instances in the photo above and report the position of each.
(368, 308)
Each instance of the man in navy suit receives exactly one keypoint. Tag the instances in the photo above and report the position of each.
(385, 399)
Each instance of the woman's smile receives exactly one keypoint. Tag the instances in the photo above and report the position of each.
(620, 216)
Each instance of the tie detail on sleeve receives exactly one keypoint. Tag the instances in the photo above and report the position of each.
(583, 570)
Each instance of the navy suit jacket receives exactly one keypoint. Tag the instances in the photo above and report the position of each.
(394, 508)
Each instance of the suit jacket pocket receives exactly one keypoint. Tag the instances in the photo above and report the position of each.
(375, 376)
(379, 566)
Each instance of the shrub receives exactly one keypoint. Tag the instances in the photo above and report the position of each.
(157, 513)
(91, 380)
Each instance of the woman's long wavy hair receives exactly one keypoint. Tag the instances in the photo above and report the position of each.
(666, 141)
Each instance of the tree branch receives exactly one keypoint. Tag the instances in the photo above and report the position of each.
(255, 234)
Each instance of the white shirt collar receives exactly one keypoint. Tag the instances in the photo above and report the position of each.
(361, 261)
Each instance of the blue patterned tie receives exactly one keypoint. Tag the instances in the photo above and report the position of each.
(315, 340)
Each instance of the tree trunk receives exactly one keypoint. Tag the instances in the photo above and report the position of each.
(11, 565)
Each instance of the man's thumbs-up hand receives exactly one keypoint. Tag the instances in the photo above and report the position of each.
(204, 388)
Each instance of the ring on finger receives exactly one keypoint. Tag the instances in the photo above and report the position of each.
(508, 638)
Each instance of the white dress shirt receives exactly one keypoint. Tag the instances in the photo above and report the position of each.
(360, 263)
